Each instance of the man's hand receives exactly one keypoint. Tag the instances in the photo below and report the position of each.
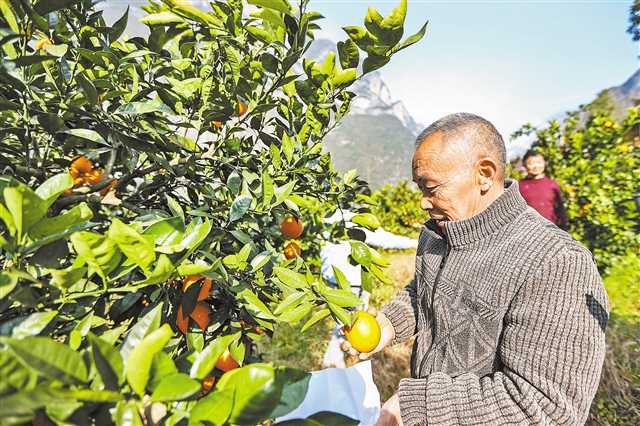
(387, 333)
(390, 412)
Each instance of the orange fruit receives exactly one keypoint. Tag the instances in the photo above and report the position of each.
(182, 321)
(364, 333)
(204, 290)
(291, 227)
(217, 123)
(200, 315)
(81, 165)
(292, 250)
(226, 362)
(94, 177)
(242, 108)
(207, 384)
(40, 44)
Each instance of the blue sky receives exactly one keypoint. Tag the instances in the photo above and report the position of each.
(509, 61)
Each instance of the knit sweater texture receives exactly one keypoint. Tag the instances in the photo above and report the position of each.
(508, 313)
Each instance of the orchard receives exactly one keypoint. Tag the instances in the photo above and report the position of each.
(162, 202)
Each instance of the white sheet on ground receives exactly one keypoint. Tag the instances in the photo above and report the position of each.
(349, 391)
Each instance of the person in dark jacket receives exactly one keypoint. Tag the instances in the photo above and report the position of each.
(541, 192)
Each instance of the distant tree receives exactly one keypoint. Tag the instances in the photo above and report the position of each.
(634, 20)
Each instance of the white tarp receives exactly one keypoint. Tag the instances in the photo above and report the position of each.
(349, 391)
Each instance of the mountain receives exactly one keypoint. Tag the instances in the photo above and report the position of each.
(377, 136)
(620, 98)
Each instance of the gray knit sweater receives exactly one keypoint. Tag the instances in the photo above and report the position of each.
(509, 314)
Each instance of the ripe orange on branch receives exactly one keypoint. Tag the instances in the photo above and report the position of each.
(291, 227)
(364, 333)
(242, 108)
(200, 316)
(204, 290)
(80, 166)
(207, 384)
(226, 362)
(40, 44)
(292, 250)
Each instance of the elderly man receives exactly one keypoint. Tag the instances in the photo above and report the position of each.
(508, 311)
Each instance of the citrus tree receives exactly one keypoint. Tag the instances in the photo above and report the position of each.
(161, 206)
(596, 162)
(398, 207)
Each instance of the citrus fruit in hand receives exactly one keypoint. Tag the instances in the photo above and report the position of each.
(291, 227)
(364, 333)
(226, 362)
(292, 250)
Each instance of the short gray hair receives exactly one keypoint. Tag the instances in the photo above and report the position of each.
(483, 134)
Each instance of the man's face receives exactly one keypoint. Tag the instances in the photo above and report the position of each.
(535, 165)
(445, 174)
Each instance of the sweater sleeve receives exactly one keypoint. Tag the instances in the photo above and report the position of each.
(560, 210)
(552, 350)
(402, 311)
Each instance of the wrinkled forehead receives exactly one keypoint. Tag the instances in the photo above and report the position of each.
(436, 159)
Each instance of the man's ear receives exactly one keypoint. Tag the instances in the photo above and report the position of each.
(487, 173)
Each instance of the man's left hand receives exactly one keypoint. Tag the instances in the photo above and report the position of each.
(390, 412)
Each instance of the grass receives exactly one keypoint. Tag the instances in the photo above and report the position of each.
(618, 398)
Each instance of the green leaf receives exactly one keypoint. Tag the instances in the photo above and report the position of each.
(366, 281)
(175, 388)
(368, 220)
(279, 5)
(373, 62)
(344, 78)
(100, 253)
(411, 39)
(33, 324)
(9, 278)
(362, 38)
(254, 305)
(144, 326)
(90, 92)
(144, 107)
(317, 316)
(50, 358)
(108, 362)
(256, 392)
(291, 300)
(191, 12)
(7, 12)
(341, 279)
(295, 385)
(136, 247)
(239, 207)
(267, 189)
(25, 61)
(360, 253)
(161, 366)
(44, 7)
(206, 360)
(340, 314)
(119, 26)
(214, 408)
(126, 414)
(392, 24)
(14, 375)
(166, 232)
(51, 188)
(48, 226)
(349, 54)
(57, 50)
(290, 278)
(24, 206)
(283, 192)
(138, 364)
(296, 314)
(342, 298)
(161, 18)
(87, 134)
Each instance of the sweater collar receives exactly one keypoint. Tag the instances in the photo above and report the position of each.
(501, 212)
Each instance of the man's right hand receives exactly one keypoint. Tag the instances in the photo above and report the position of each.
(387, 333)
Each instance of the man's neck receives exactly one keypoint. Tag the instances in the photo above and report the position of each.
(536, 177)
